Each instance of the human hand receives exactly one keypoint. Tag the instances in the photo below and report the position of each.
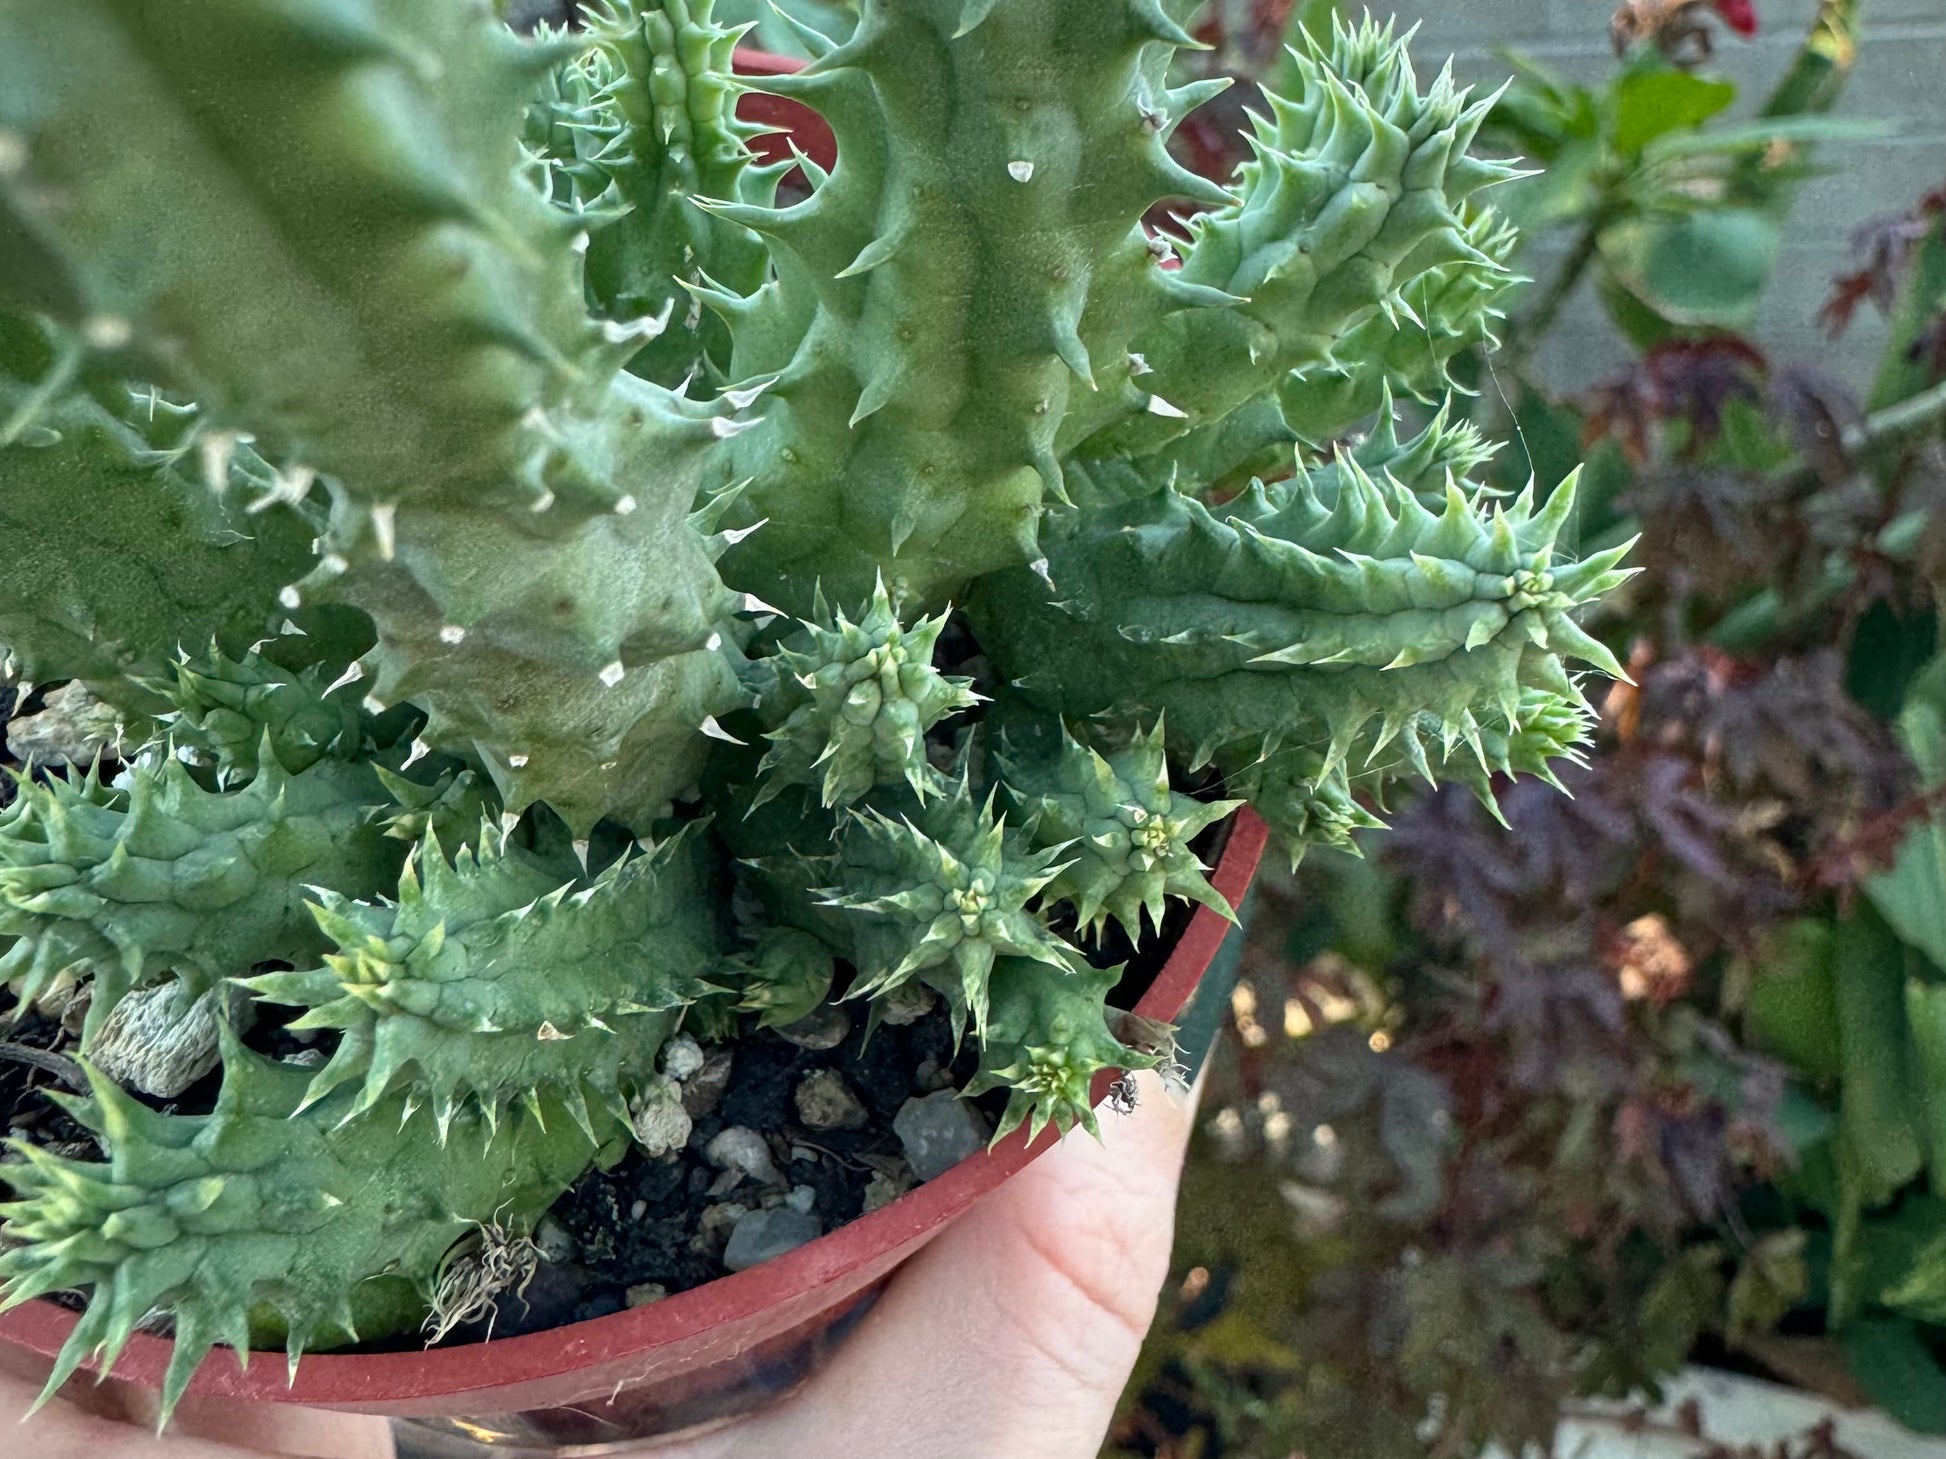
(1009, 1337)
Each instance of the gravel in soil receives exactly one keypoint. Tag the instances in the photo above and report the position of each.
(649, 1220)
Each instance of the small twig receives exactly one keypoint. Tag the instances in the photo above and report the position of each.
(1882, 431)
(61, 1067)
(1533, 323)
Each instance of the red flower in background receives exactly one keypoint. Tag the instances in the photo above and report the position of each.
(1739, 15)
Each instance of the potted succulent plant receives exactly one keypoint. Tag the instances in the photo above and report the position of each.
(571, 608)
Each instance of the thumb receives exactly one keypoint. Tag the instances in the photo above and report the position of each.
(1014, 1332)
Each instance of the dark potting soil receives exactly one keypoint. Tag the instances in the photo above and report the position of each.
(646, 1221)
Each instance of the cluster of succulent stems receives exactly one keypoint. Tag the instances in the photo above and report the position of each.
(563, 581)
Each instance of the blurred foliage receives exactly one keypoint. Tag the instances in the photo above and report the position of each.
(1548, 1108)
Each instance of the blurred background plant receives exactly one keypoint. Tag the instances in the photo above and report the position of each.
(1657, 1073)
(1554, 1101)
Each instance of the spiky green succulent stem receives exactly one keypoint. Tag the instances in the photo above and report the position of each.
(850, 703)
(1356, 199)
(263, 1218)
(491, 980)
(125, 886)
(1123, 830)
(947, 294)
(342, 257)
(1047, 1038)
(1280, 620)
(637, 128)
(937, 893)
(118, 550)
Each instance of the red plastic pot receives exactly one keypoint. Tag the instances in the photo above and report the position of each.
(702, 1354)
(794, 122)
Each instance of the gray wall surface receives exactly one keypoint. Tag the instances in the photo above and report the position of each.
(1900, 77)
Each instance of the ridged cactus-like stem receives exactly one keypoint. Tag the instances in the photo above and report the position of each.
(492, 980)
(1122, 829)
(946, 295)
(318, 1227)
(636, 129)
(1336, 627)
(1047, 1039)
(168, 878)
(852, 702)
(938, 893)
(343, 258)
(1359, 191)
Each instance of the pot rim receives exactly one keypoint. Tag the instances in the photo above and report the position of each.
(327, 1379)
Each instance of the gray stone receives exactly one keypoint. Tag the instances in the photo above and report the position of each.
(802, 1198)
(552, 1238)
(702, 1091)
(159, 1041)
(760, 1235)
(643, 1293)
(742, 1149)
(72, 728)
(824, 1027)
(713, 1227)
(886, 1187)
(906, 1003)
(931, 1075)
(682, 1057)
(661, 1124)
(825, 1102)
(938, 1132)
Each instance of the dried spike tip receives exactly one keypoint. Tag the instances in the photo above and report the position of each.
(1125, 831)
(849, 703)
(938, 893)
(1047, 1038)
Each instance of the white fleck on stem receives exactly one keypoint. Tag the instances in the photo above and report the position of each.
(385, 528)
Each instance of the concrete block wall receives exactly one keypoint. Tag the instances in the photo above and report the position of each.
(1900, 77)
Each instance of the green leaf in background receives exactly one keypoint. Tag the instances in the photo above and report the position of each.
(1907, 371)
(1878, 1106)
(1891, 647)
(1771, 1279)
(1889, 1356)
(1651, 103)
(1792, 1005)
(1695, 268)
(1925, 1005)
(1912, 895)
(1765, 136)
(1919, 1290)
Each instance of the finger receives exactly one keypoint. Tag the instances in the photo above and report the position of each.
(1014, 1332)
